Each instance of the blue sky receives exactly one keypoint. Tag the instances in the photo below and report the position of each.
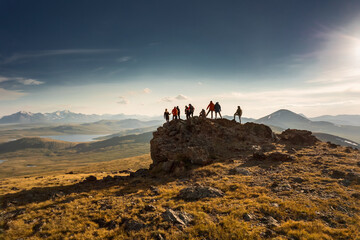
(139, 57)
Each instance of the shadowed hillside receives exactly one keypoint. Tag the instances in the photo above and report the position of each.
(25, 143)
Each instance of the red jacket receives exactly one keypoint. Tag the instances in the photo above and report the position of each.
(211, 106)
(175, 112)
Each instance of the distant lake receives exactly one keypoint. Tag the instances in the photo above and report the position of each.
(75, 137)
(1, 161)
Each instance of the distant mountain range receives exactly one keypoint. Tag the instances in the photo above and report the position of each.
(278, 121)
(65, 117)
(287, 119)
(353, 120)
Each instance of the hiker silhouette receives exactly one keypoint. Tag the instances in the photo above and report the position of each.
(191, 110)
(211, 108)
(174, 113)
(166, 115)
(217, 108)
(202, 114)
(238, 113)
(178, 110)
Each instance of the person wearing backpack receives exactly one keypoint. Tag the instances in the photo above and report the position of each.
(191, 110)
(238, 113)
(166, 115)
(211, 108)
(174, 113)
(178, 111)
(217, 109)
(202, 114)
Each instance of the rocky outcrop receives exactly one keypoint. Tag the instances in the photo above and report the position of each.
(179, 144)
(298, 137)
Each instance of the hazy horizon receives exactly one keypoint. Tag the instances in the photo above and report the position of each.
(141, 57)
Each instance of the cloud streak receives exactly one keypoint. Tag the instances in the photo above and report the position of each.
(21, 80)
(22, 56)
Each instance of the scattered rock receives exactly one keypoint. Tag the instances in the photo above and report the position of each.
(90, 179)
(332, 145)
(348, 150)
(356, 195)
(275, 156)
(248, 217)
(338, 174)
(258, 156)
(240, 171)
(353, 177)
(142, 172)
(105, 206)
(104, 224)
(13, 214)
(132, 225)
(198, 192)
(270, 221)
(126, 171)
(268, 233)
(155, 190)
(297, 180)
(15, 189)
(71, 172)
(150, 208)
(111, 225)
(274, 205)
(280, 187)
(38, 227)
(177, 217)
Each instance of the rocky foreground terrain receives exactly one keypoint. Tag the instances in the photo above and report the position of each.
(209, 179)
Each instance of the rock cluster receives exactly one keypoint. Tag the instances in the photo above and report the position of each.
(180, 144)
(198, 192)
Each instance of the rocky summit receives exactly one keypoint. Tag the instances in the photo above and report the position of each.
(179, 145)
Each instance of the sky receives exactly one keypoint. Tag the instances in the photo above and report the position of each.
(140, 57)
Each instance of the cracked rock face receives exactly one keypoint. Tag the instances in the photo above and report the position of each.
(180, 144)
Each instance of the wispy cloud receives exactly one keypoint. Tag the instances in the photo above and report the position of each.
(21, 56)
(124, 59)
(24, 81)
(123, 100)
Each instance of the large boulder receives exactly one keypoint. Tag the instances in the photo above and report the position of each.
(298, 137)
(180, 144)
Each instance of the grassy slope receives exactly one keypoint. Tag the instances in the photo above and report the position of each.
(59, 158)
(319, 208)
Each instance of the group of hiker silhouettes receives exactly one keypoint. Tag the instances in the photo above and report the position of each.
(189, 112)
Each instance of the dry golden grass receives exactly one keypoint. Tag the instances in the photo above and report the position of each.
(321, 207)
